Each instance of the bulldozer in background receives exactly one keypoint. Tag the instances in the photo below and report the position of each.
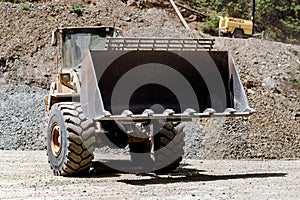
(136, 92)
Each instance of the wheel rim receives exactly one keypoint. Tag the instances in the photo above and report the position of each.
(56, 140)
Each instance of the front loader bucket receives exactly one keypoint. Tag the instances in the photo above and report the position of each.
(143, 84)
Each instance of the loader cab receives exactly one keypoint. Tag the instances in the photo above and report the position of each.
(75, 41)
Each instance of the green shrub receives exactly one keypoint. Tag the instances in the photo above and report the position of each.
(296, 83)
(18, 1)
(52, 7)
(77, 9)
(211, 24)
(24, 7)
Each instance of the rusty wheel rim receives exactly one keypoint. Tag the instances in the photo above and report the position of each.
(56, 140)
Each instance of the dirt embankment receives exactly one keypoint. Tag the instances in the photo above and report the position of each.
(26, 54)
(269, 71)
(270, 74)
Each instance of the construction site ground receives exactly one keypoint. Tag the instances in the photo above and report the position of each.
(26, 175)
(244, 157)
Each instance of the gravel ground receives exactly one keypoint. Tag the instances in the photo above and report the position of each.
(195, 179)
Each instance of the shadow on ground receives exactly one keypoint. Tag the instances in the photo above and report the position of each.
(182, 174)
(193, 175)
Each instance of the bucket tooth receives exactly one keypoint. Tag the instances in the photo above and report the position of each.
(230, 110)
(189, 111)
(106, 113)
(250, 110)
(209, 111)
(127, 113)
(169, 112)
(148, 112)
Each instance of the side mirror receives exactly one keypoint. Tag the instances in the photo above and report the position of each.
(54, 37)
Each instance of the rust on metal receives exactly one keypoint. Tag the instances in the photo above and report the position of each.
(56, 140)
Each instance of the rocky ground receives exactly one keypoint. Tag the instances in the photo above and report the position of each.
(270, 72)
(195, 179)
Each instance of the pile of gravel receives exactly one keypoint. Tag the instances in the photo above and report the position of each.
(23, 122)
(194, 137)
(22, 117)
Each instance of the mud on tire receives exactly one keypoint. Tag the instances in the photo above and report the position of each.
(70, 139)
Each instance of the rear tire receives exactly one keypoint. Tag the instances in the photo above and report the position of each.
(140, 154)
(70, 139)
(168, 147)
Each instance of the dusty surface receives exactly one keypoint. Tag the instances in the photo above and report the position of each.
(26, 175)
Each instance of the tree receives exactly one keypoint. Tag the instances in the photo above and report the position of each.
(279, 18)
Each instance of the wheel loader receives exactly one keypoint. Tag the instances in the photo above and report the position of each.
(135, 94)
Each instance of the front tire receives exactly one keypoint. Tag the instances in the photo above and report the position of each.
(70, 139)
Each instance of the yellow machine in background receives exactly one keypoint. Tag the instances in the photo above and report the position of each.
(235, 27)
